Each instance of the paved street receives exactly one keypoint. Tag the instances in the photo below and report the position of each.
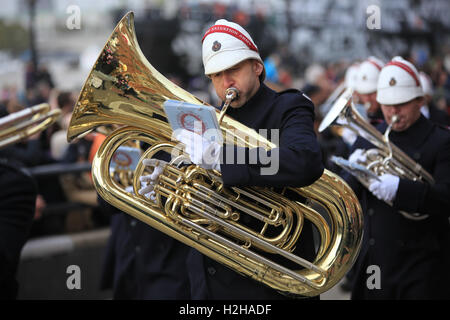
(336, 293)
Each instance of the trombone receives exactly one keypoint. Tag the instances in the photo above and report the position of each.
(384, 157)
(25, 123)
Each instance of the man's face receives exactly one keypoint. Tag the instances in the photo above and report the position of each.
(244, 77)
(407, 113)
(370, 102)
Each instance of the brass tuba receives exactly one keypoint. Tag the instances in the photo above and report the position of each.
(191, 204)
(384, 158)
(25, 123)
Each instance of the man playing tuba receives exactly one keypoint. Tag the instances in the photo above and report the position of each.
(231, 60)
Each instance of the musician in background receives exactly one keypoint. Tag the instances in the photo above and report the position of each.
(429, 109)
(404, 258)
(366, 88)
(231, 59)
(365, 92)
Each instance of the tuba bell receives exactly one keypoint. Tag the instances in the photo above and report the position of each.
(192, 205)
(384, 158)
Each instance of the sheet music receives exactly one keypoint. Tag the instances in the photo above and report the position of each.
(200, 119)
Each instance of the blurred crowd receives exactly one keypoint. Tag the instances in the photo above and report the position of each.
(66, 201)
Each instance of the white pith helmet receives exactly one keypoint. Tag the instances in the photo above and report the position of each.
(351, 75)
(398, 82)
(367, 77)
(226, 44)
(427, 84)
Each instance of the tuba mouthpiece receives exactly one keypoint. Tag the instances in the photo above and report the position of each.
(231, 94)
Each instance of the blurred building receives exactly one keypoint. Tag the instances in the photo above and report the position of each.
(320, 31)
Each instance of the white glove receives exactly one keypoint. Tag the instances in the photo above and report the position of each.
(148, 182)
(386, 188)
(349, 136)
(357, 156)
(202, 152)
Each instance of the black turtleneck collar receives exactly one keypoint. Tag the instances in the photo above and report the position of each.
(256, 100)
(376, 117)
(415, 135)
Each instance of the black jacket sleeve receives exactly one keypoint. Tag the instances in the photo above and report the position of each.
(423, 198)
(17, 204)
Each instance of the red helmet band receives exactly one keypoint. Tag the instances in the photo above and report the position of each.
(233, 32)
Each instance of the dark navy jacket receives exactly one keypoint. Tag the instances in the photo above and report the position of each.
(141, 262)
(292, 114)
(300, 164)
(409, 253)
(18, 192)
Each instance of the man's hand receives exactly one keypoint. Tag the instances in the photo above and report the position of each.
(357, 156)
(386, 188)
(148, 182)
(349, 136)
(202, 152)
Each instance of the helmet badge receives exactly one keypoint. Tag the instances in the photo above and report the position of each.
(216, 46)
